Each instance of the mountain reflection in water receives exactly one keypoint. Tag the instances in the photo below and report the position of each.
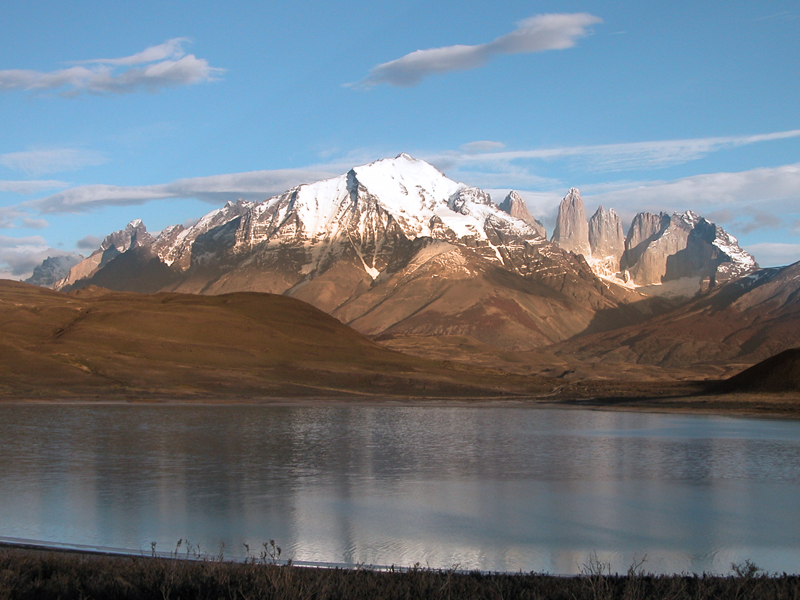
(502, 488)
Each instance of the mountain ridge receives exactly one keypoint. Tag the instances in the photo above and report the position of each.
(395, 248)
(392, 248)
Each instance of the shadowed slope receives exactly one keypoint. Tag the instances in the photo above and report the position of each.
(740, 323)
(779, 373)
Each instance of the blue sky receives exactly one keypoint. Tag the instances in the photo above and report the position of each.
(164, 110)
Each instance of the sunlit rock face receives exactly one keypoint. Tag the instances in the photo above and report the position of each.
(661, 248)
(514, 205)
(606, 239)
(572, 230)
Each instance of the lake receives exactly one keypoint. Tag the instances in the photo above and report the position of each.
(501, 488)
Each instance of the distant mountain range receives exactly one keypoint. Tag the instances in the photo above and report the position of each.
(395, 248)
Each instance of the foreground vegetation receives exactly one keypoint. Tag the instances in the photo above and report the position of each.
(26, 574)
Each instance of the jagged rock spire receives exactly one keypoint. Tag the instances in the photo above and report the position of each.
(572, 229)
(606, 238)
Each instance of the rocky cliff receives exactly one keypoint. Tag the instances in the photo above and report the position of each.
(572, 230)
(606, 240)
(660, 249)
(52, 270)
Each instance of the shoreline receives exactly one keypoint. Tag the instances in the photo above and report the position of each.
(36, 572)
(43, 550)
(771, 406)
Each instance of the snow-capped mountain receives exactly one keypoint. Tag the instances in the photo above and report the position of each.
(357, 211)
(392, 248)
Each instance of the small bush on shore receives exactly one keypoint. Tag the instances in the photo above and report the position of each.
(49, 575)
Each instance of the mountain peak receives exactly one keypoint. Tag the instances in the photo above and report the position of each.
(606, 239)
(572, 228)
(515, 206)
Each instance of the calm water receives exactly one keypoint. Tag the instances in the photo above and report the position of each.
(490, 488)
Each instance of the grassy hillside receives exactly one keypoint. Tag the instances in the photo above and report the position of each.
(94, 341)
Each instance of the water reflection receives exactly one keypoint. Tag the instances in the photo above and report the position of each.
(490, 488)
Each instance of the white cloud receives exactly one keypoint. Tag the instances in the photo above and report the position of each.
(52, 160)
(253, 185)
(89, 242)
(502, 176)
(482, 146)
(21, 255)
(169, 66)
(31, 187)
(715, 189)
(744, 201)
(9, 216)
(536, 34)
(770, 254)
(617, 157)
(29, 223)
(170, 49)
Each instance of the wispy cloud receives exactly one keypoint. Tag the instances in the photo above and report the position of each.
(786, 15)
(153, 69)
(31, 187)
(482, 146)
(52, 160)
(617, 157)
(716, 189)
(501, 175)
(772, 254)
(253, 185)
(12, 217)
(744, 201)
(536, 34)
(171, 49)
(474, 164)
(9, 216)
(89, 242)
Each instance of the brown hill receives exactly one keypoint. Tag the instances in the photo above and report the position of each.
(779, 373)
(98, 342)
(740, 323)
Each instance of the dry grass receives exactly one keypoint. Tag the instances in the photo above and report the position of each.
(234, 345)
(40, 575)
(96, 345)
